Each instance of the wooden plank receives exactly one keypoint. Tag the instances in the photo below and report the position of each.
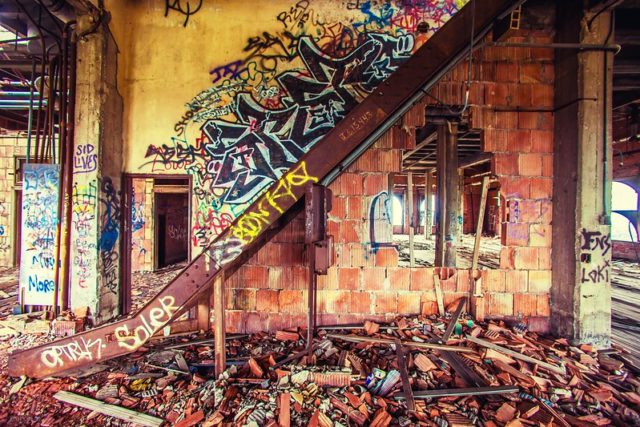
(412, 257)
(516, 355)
(459, 392)
(428, 204)
(439, 297)
(219, 333)
(406, 385)
(478, 237)
(171, 189)
(454, 320)
(106, 409)
(425, 345)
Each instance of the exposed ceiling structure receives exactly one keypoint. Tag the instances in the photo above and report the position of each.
(31, 36)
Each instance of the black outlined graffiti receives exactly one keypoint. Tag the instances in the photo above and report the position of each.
(182, 6)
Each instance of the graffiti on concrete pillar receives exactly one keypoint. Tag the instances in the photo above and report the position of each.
(39, 224)
(595, 255)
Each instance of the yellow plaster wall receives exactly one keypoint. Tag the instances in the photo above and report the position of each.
(164, 64)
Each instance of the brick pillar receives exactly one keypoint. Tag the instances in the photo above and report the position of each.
(581, 291)
(95, 227)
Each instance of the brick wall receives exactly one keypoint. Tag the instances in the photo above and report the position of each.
(269, 292)
(626, 250)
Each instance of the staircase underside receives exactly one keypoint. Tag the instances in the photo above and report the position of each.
(250, 231)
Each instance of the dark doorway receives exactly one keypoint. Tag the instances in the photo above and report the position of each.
(172, 228)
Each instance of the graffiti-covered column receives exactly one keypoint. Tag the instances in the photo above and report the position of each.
(97, 165)
(581, 253)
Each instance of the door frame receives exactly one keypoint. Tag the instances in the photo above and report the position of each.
(126, 242)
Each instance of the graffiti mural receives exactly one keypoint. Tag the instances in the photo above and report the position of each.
(110, 228)
(595, 255)
(284, 92)
(84, 200)
(39, 223)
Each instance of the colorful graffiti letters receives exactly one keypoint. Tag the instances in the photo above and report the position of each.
(157, 318)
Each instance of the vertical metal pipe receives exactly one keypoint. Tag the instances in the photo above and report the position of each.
(70, 132)
(30, 120)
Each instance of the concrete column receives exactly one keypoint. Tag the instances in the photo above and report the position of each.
(448, 196)
(97, 167)
(581, 291)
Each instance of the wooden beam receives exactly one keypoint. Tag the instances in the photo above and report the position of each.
(441, 192)
(219, 326)
(372, 340)
(110, 410)
(412, 259)
(477, 300)
(557, 369)
(203, 311)
(428, 204)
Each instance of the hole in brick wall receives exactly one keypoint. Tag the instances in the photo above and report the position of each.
(421, 218)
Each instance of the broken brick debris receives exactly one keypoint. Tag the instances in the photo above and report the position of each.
(492, 374)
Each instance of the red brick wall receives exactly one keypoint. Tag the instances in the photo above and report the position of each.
(626, 250)
(269, 292)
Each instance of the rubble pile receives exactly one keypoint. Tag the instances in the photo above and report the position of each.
(425, 370)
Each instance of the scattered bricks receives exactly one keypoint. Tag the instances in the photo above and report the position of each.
(287, 336)
(385, 302)
(399, 278)
(267, 300)
(423, 363)
(421, 279)
(386, 257)
(334, 301)
(526, 259)
(525, 304)
(505, 164)
(360, 302)
(507, 258)
(530, 164)
(349, 278)
(540, 235)
(408, 303)
(374, 278)
(462, 281)
(541, 188)
(192, 419)
(292, 301)
(539, 281)
(493, 280)
(515, 234)
(516, 281)
(355, 208)
(541, 141)
(374, 183)
(505, 413)
(499, 304)
(519, 141)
